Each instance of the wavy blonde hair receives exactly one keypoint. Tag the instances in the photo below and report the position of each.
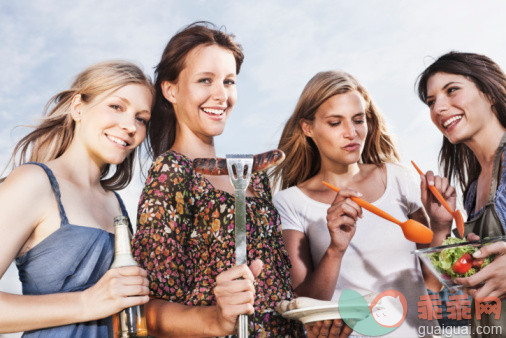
(55, 132)
(302, 156)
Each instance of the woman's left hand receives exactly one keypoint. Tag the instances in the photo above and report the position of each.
(439, 216)
(493, 275)
(328, 328)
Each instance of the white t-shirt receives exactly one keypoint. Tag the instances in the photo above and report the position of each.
(379, 257)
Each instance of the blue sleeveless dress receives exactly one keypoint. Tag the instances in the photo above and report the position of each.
(73, 258)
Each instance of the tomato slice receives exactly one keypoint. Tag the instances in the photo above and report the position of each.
(478, 262)
(463, 264)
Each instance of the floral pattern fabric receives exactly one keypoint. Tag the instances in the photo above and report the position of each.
(185, 238)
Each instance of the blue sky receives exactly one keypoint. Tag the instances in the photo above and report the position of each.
(385, 44)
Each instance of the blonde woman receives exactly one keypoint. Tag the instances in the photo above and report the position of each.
(57, 207)
(337, 134)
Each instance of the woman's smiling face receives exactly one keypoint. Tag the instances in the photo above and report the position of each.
(457, 107)
(205, 91)
(113, 126)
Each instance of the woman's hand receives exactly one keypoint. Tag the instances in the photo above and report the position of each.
(118, 289)
(235, 294)
(439, 216)
(328, 328)
(341, 218)
(493, 275)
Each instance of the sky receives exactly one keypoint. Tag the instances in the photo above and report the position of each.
(385, 44)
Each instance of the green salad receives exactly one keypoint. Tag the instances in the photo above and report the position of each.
(458, 261)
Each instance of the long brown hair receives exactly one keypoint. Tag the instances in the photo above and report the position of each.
(302, 156)
(162, 131)
(53, 135)
(457, 160)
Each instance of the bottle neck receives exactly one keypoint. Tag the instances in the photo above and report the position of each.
(122, 249)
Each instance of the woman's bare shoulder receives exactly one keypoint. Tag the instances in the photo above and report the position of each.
(28, 181)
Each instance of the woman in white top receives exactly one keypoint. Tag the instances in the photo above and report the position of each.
(338, 135)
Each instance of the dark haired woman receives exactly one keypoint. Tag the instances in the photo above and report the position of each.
(57, 207)
(466, 94)
(185, 220)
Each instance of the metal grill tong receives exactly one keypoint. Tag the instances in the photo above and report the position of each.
(239, 170)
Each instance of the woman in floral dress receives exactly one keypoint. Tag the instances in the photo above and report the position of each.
(185, 237)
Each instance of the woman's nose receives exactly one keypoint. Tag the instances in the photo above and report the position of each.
(219, 92)
(128, 124)
(349, 130)
(440, 104)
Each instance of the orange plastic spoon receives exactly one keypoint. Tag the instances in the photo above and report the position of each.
(412, 230)
(457, 216)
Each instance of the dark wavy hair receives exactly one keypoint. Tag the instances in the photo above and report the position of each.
(162, 125)
(457, 160)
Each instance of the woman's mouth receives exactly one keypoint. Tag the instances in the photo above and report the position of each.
(117, 141)
(214, 113)
(451, 121)
(352, 147)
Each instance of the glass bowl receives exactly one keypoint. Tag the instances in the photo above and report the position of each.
(440, 259)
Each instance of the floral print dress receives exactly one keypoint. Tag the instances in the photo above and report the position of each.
(185, 238)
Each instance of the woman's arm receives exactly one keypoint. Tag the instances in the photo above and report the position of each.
(118, 289)
(25, 196)
(320, 282)
(234, 297)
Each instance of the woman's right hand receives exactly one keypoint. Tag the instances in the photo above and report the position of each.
(118, 289)
(235, 294)
(341, 219)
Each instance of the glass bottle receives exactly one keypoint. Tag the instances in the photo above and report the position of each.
(130, 322)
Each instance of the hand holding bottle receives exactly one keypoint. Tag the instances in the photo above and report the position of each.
(118, 289)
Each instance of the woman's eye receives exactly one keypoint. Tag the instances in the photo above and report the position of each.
(430, 103)
(206, 80)
(229, 82)
(334, 124)
(359, 121)
(142, 120)
(115, 106)
(452, 89)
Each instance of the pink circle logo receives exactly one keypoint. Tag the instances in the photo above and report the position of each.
(389, 308)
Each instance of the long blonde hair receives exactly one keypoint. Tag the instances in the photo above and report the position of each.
(53, 135)
(302, 156)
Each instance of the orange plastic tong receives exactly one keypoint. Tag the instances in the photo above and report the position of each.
(459, 220)
(412, 230)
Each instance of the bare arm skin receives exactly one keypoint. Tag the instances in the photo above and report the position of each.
(319, 282)
(234, 296)
(25, 197)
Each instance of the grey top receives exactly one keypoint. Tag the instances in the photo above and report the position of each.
(73, 258)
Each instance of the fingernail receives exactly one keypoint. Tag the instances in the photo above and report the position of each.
(359, 194)
(477, 254)
(431, 182)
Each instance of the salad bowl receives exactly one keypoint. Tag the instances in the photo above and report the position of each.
(454, 259)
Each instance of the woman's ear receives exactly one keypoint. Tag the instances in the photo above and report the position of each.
(75, 108)
(307, 127)
(169, 91)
